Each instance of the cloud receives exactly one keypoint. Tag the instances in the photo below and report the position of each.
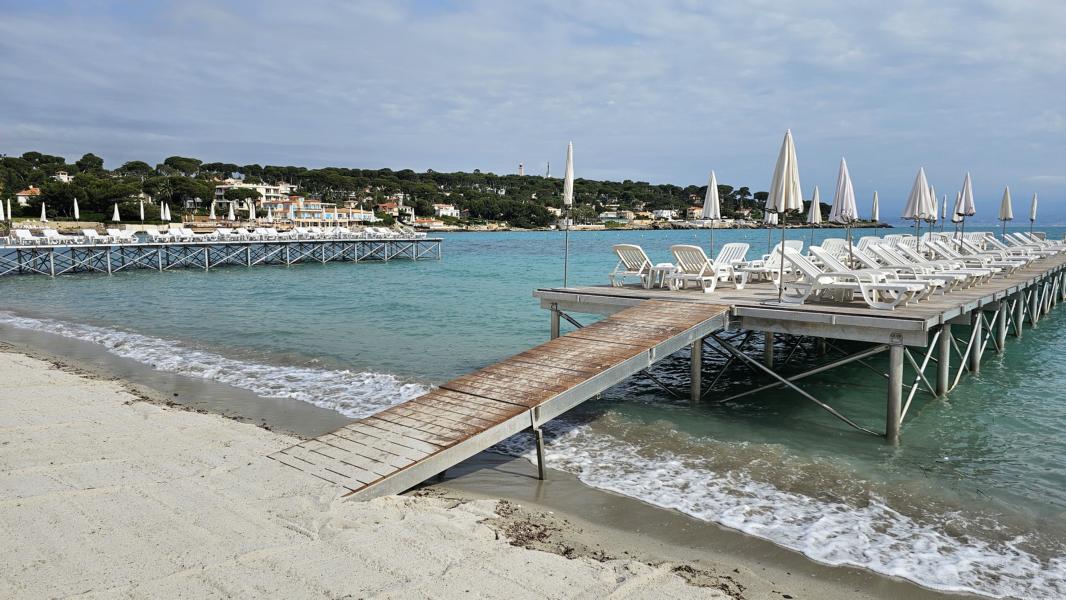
(650, 91)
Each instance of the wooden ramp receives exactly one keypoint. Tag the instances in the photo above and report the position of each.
(406, 444)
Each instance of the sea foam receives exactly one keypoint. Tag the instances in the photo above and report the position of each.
(354, 394)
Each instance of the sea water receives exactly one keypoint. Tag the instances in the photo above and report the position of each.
(974, 499)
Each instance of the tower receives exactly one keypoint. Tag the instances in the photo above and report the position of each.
(521, 169)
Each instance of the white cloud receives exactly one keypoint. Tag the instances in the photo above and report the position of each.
(655, 91)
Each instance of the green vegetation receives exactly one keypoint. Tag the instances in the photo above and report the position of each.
(521, 201)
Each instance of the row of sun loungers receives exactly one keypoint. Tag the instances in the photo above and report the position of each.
(885, 272)
(51, 237)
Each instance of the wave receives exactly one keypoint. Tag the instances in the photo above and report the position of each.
(352, 393)
(868, 533)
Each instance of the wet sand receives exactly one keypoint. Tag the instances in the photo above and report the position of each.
(560, 516)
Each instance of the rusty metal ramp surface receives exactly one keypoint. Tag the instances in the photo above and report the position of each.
(405, 444)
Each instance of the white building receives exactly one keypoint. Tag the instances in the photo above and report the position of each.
(664, 214)
(446, 210)
(267, 192)
(63, 176)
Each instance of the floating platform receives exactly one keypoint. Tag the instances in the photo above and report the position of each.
(53, 260)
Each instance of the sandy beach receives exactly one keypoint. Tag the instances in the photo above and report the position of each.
(110, 490)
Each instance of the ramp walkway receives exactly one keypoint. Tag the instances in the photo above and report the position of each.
(399, 447)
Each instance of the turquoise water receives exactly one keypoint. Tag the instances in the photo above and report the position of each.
(974, 499)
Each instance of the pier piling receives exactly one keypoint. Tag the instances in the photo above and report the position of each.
(943, 361)
(696, 368)
(895, 393)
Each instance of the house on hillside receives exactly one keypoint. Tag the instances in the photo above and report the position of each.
(23, 197)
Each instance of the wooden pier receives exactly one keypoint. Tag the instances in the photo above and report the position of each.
(930, 345)
(60, 259)
(406, 444)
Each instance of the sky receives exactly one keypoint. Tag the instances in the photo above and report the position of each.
(649, 91)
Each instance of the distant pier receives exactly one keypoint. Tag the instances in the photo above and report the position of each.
(64, 258)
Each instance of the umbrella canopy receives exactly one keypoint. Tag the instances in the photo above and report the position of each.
(956, 216)
(1006, 211)
(814, 215)
(232, 217)
(212, 215)
(844, 210)
(770, 218)
(967, 208)
(1032, 208)
(568, 178)
(2, 211)
(165, 213)
(919, 204)
(875, 210)
(270, 215)
(141, 207)
(11, 217)
(114, 215)
(932, 201)
(712, 208)
(785, 192)
(944, 208)
(77, 213)
(251, 210)
(44, 215)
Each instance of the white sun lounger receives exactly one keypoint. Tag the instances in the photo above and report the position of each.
(933, 284)
(694, 266)
(875, 291)
(632, 262)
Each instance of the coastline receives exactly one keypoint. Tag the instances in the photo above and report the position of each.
(564, 516)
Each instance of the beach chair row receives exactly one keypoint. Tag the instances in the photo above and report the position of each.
(51, 237)
(885, 272)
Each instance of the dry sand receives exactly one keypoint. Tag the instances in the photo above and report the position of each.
(105, 495)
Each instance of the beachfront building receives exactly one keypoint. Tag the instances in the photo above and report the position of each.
(446, 210)
(694, 213)
(267, 192)
(23, 197)
(310, 212)
(663, 214)
(397, 210)
(616, 216)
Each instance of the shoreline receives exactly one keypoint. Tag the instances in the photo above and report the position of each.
(566, 513)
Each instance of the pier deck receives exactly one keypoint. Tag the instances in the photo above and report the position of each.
(63, 258)
(403, 445)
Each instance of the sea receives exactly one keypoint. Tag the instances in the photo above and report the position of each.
(972, 500)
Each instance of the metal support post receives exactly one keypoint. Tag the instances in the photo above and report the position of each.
(1019, 313)
(1001, 328)
(768, 349)
(895, 393)
(555, 321)
(1034, 305)
(538, 433)
(943, 362)
(696, 368)
(978, 337)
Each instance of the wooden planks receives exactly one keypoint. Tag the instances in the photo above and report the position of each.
(401, 445)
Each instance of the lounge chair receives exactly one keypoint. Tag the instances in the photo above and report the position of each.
(243, 234)
(976, 260)
(51, 236)
(23, 237)
(632, 262)
(904, 256)
(970, 247)
(876, 291)
(933, 284)
(122, 236)
(909, 270)
(694, 266)
(93, 237)
(769, 266)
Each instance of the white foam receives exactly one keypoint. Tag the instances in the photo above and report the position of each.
(872, 536)
(353, 394)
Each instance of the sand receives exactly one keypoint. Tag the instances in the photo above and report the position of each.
(104, 495)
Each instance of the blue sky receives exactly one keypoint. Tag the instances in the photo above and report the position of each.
(659, 91)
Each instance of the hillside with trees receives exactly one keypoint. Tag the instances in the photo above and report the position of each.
(521, 200)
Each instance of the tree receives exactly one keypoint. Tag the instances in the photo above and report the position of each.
(90, 163)
(241, 193)
(136, 167)
(186, 166)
